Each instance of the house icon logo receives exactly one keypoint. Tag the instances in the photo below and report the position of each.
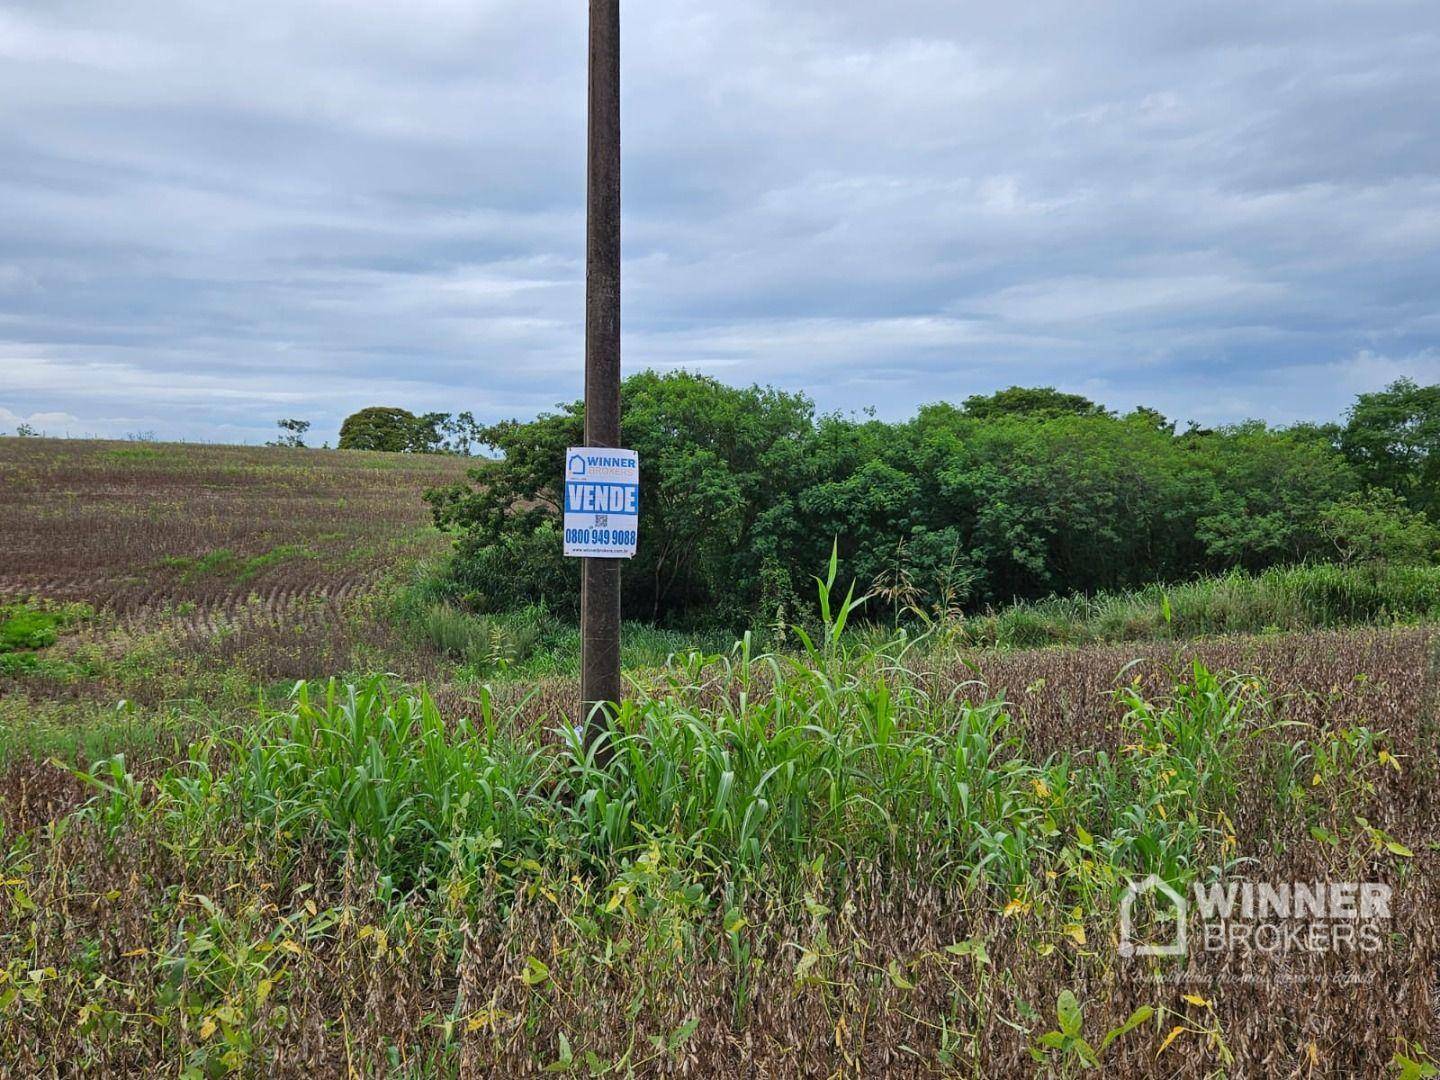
(1164, 893)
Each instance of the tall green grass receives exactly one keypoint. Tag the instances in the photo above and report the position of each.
(753, 767)
(528, 643)
(1282, 599)
(1305, 597)
(483, 641)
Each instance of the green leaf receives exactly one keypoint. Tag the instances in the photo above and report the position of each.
(1138, 1017)
(1067, 1011)
(974, 947)
(848, 606)
(682, 1033)
(567, 1057)
(807, 961)
(535, 973)
(734, 921)
(897, 976)
(1410, 1069)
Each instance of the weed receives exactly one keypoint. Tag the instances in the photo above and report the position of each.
(1068, 1048)
(36, 624)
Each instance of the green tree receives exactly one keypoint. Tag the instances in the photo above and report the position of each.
(292, 433)
(454, 433)
(1268, 490)
(712, 458)
(1033, 401)
(380, 428)
(1392, 437)
(400, 431)
(1377, 525)
(1031, 492)
(1067, 503)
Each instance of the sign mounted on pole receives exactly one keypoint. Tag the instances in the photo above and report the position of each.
(602, 502)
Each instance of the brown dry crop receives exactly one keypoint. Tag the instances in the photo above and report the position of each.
(134, 527)
(240, 945)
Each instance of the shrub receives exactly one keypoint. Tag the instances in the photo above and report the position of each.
(1302, 597)
(1378, 525)
(1013, 497)
(482, 641)
(35, 625)
(379, 428)
(518, 570)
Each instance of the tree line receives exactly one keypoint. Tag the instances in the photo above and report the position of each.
(1019, 494)
(393, 430)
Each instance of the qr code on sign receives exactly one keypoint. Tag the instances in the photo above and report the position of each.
(602, 521)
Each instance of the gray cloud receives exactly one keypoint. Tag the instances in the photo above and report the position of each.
(215, 216)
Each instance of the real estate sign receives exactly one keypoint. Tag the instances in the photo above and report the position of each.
(602, 502)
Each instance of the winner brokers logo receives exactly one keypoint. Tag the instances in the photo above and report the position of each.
(1255, 916)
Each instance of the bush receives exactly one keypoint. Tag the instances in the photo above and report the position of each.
(1015, 496)
(518, 570)
(379, 428)
(1304, 597)
(36, 625)
(1378, 525)
(482, 641)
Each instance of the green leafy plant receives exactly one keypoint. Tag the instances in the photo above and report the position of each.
(36, 625)
(1068, 1048)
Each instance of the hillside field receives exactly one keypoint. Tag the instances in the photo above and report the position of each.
(255, 819)
(139, 528)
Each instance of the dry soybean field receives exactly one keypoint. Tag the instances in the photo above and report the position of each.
(189, 580)
(853, 853)
(135, 528)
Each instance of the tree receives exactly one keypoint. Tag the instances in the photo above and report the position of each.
(1267, 489)
(1377, 526)
(1151, 418)
(381, 428)
(402, 432)
(292, 433)
(1064, 504)
(1032, 401)
(1018, 495)
(26, 431)
(1393, 439)
(713, 459)
(455, 433)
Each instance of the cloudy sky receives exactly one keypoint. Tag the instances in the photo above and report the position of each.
(216, 214)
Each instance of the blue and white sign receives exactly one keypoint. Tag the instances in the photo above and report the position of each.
(602, 502)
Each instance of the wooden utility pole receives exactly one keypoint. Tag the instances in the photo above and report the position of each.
(600, 578)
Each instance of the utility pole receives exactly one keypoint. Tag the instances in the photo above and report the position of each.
(600, 578)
